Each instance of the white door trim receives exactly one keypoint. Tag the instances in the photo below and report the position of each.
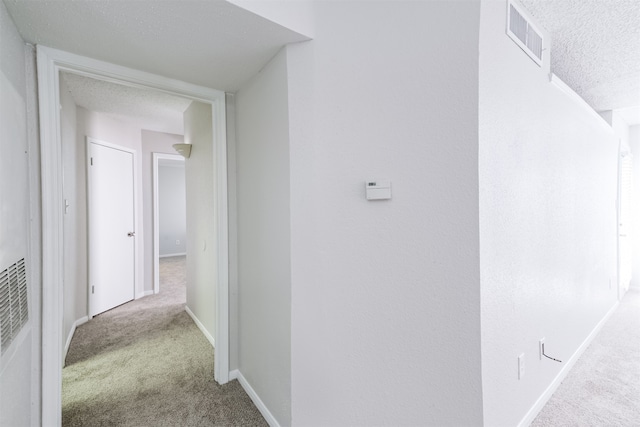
(137, 257)
(156, 220)
(50, 62)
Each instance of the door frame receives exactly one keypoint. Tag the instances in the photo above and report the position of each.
(49, 64)
(156, 217)
(136, 216)
(623, 153)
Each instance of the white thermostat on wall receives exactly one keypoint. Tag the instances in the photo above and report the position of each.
(378, 190)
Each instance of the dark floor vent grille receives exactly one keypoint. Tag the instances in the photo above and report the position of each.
(14, 306)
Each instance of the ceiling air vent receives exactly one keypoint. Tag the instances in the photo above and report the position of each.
(14, 311)
(524, 33)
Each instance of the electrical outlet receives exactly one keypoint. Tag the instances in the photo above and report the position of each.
(177, 242)
(540, 346)
(521, 366)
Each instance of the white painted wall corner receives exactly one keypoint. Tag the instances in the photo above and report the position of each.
(233, 375)
(144, 294)
(544, 398)
(201, 327)
(268, 416)
(80, 321)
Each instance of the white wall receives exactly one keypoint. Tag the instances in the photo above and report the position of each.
(172, 214)
(152, 142)
(16, 362)
(75, 217)
(548, 177)
(201, 247)
(634, 144)
(295, 15)
(385, 298)
(264, 243)
(232, 204)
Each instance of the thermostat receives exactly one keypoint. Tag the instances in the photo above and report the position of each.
(378, 190)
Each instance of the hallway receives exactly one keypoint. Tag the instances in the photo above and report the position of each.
(603, 388)
(146, 363)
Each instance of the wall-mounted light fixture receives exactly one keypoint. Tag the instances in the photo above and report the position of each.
(183, 149)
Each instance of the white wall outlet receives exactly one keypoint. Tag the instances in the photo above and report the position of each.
(540, 347)
(521, 366)
(177, 242)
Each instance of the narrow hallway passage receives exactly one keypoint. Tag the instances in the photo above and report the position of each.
(146, 363)
(603, 388)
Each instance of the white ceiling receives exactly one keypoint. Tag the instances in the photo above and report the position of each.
(210, 43)
(595, 43)
(154, 110)
(595, 49)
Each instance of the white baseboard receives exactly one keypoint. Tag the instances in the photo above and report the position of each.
(268, 416)
(201, 327)
(544, 398)
(77, 323)
(233, 375)
(170, 255)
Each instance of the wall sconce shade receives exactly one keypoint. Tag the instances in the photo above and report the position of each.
(183, 149)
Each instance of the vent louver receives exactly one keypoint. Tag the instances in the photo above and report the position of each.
(14, 311)
(524, 33)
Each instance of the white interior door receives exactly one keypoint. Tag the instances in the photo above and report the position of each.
(111, 227)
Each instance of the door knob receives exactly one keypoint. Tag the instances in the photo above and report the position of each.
(131, 233)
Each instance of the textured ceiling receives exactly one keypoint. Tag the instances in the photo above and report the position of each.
(595, 49)
(206, 42)
(595, 43)
(157, 110)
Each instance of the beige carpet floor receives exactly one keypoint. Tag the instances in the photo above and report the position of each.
(603, 388)
(146, 363)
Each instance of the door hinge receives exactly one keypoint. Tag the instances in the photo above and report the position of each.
(93, 289)
(91, 161)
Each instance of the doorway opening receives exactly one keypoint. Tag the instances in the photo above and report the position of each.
(625, 220)
(50, 63)
(169, 211)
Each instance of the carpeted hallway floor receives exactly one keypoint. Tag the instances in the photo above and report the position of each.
(146, 363)
(603, 388)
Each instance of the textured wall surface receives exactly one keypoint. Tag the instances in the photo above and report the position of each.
(16, 361)
(385, 295)
(264, 246)
(548, 178)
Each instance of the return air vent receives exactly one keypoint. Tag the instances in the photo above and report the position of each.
(524, 33)
(14, 311)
